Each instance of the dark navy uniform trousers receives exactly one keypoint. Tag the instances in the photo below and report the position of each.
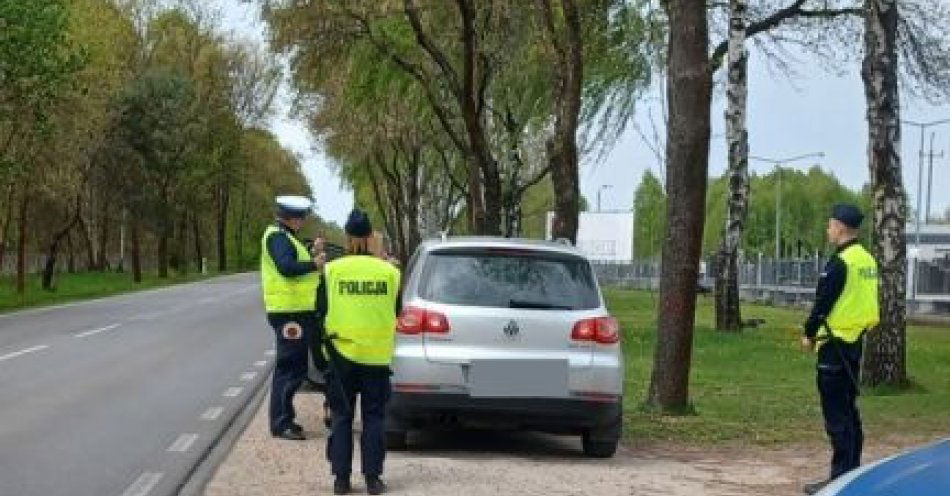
(839, 368)
(290, 367)
(346, 380)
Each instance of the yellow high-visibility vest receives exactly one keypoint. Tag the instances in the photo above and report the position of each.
(361, 308)
(287, 294)
(857, 308)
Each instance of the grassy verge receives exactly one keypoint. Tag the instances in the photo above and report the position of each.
(758, 387)
(82, 286)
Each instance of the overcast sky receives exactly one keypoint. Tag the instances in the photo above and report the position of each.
(819, 113)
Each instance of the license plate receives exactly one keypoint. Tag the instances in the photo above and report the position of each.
(518, 378)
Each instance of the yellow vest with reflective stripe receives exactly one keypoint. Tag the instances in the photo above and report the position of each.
(287, 294)
(856, 309)
(361, 308)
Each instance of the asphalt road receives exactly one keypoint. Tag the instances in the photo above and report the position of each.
(122, 396)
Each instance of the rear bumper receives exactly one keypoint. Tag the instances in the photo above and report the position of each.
(411, 410)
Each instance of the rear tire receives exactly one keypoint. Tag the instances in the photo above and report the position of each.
(596, 448)
(397, 440)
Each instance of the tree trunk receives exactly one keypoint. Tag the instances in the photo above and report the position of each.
(87, 238)
(71, 260)
(7, 221)
(49, 269)
(199, 252)
(689, 96)
(181, 244)
(21, 245)
(223, 205)
(884, 358)
(136, 249)
(164, 232)
(242, 217)
(728, 312)
(562, 149)
(102, 261)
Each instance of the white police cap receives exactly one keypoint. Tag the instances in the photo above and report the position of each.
(293, 206)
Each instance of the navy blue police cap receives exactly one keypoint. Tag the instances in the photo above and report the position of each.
(358, 224)
(848, 215)
(292, 207)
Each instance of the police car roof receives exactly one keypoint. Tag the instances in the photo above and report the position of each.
(501, 243)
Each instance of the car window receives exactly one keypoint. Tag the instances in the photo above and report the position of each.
(509, 280)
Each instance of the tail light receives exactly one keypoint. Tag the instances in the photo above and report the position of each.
(415, 320)
(603, 330)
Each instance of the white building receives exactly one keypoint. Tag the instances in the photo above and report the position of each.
(934, 241)
(605, 237)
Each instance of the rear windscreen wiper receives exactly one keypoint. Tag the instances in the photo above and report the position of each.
(537, 304)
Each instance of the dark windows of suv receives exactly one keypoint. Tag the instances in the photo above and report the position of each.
(509, 279)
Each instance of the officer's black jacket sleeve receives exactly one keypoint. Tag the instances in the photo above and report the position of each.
(285, 256)
(830, 286)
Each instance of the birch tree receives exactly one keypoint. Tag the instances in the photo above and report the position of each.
(885, 355)
(728, 316)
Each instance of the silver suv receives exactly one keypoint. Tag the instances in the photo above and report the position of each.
(505, 333)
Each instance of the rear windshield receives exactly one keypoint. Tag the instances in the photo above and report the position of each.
(509, 280)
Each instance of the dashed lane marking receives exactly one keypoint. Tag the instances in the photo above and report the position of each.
(232, 392)
(183, 443)
(144, 484)
(23, 352)
(96, 331)
(212, 413)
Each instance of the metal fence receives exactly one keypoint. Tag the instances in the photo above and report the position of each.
(932, 278)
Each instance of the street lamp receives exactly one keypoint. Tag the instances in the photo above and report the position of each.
(601, 188)
(778, 196)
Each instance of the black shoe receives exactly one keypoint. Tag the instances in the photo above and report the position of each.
(294, 426)
(342, 485)
(814, 487)
(375, 485)
(291, 435)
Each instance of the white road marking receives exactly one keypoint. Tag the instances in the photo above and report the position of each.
(232, 392)
(97, 331)
(248, 376)
(212, 413)
(260, 363)
(23, 352)
(183, 443)
(270, 352)
(145, 483)
(147, 316)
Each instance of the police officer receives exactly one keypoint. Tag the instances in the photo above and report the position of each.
(289, 278)
(845, 307)
(362, 295)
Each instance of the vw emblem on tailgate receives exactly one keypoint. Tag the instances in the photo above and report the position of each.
(511, 330)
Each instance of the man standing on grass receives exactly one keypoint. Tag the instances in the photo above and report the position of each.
(289, 278)
(845, 308)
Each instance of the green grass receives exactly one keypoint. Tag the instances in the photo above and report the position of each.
(82, 286)
(757, 386)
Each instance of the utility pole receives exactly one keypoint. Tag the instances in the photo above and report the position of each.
(930, 176)
(778, 194)
(920, 186)
(601, 188)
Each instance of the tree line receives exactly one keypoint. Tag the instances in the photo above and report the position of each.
(132, 137)
(804, 200)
